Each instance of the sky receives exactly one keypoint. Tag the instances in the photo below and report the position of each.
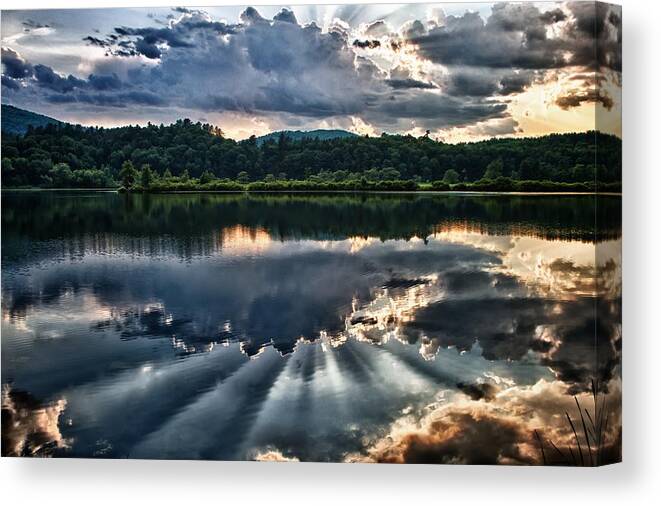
(464, 72)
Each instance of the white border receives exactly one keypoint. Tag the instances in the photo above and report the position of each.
(636, 481)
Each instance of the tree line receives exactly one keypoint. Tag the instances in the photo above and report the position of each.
(187, 155)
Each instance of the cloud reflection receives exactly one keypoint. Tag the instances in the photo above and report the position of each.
(400, 350)
(465, 430)
(30, 428)
(435, 295)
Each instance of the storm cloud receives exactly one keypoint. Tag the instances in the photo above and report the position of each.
(514, 40)
(299, 72)
(14, 65)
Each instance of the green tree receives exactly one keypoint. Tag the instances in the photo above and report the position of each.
(494, 169)
(128, 174)
(243, 177)
(146, 176)
(390, 174)
(583, 173)
(7, 164)
(527, 169)
(451, 176)
(206, 177)
(61, 175)
(32, 159)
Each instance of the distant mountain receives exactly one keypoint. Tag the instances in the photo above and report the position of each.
(297, 135)
(17, 121)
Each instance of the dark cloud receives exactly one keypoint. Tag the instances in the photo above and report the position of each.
(97, 89)
(590, 89)
(408, 83)
(516, 82)
(366, 44)
(47, 78)
(102, 90)
(595, 36)
(553, 16)
(436, 110)
(278, 66)
(107, 82)
(401, 79)
(286, 16)
(95, 41)
(182, 10)
(483, 82)
(263, 66)
(122, 99)
(10, 83)
(413, 29)
(478, 391)
(250, 15)
(508, 39)
(577, 97)
(514, 38)
(31, 24)
(14, 65)
(472, 83)
(519, 17)
(148, 39)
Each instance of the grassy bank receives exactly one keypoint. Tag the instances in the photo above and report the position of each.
(223, 185)
(486, 185)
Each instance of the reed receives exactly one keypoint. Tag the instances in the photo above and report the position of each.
(589, 448)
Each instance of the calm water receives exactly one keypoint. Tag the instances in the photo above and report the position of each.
(411, 328)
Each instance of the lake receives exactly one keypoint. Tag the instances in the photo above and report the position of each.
(449, 328)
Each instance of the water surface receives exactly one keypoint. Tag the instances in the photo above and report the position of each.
(398, 328)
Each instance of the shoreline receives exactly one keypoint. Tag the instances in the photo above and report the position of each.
(313, 192)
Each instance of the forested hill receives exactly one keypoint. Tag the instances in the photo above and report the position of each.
(67, 155)
(297, 135)
(18, 121)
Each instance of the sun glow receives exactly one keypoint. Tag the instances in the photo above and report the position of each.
(240, 240)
